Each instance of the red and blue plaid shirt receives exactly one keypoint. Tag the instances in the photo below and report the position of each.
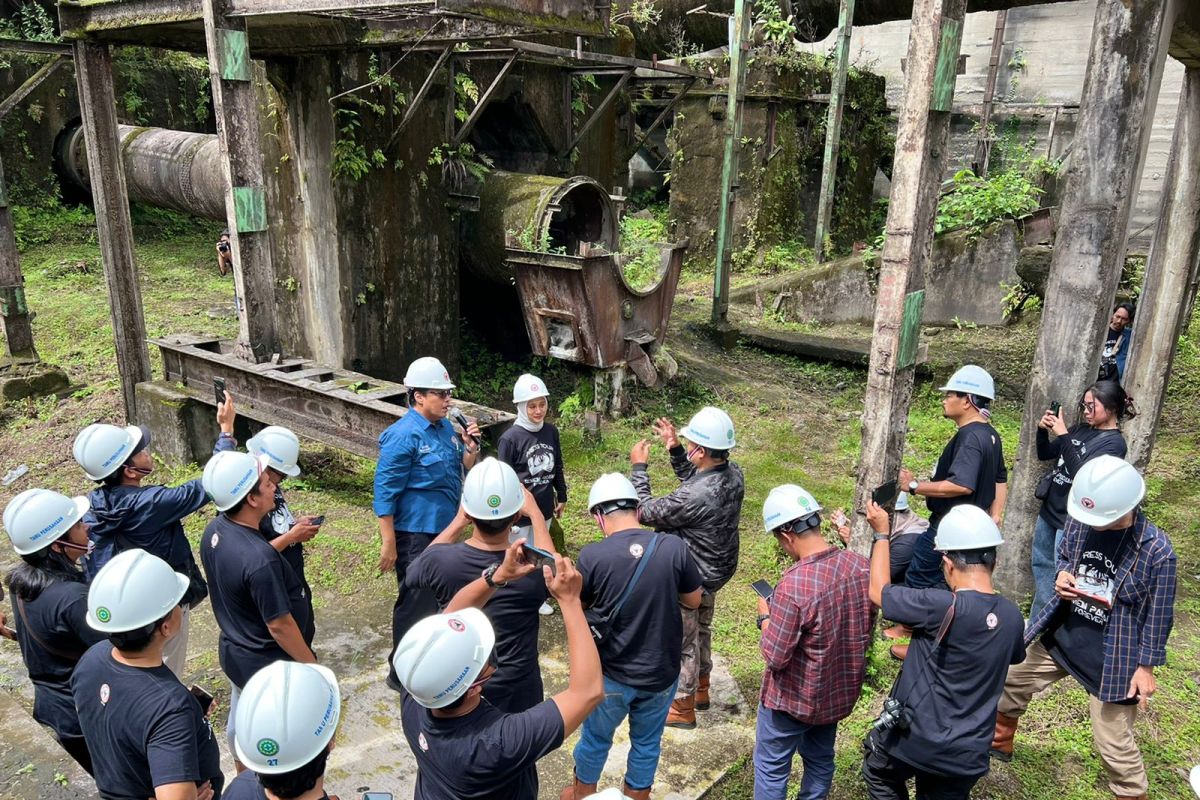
(1143, 609)
(815, 643)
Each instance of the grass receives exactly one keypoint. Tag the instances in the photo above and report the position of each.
(797, 421)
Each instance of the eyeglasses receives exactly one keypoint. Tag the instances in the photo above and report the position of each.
(442, 393)
(1088, 407)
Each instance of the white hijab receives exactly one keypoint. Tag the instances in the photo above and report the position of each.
(524, 421)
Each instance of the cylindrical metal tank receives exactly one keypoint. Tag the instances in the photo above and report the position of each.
(173, 169)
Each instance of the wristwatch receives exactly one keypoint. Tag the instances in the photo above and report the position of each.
(912, 486)
(487, 577)
(761, 619)
(876, 536)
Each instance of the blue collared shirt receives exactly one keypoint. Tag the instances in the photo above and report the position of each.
(1143, 608)
(419, 475)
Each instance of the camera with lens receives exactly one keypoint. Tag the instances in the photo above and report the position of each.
(223, 247)
(894, 715)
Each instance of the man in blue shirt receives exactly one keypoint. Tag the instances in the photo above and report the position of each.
(418, 481)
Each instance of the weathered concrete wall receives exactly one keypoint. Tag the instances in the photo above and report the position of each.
(1042, 68)
(965, 283)
(779, 176)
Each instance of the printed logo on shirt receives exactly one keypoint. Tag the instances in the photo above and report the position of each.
(268, 747)
(105, 692)
(424, 449)
(421, 741)
(214, 541)
(635, 550)
(456, 624)
(1087, 503)
(992, 621)
(103, 614)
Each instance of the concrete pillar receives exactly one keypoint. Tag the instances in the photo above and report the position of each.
(93, 77)
(18, 334)
(920, 163)
(1128, 50)
(1170, 281)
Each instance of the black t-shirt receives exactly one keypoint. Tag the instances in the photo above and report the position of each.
(58, 617)
(250, 584)
(143, 728)
(953, 699)
(642, 648)
(275, 524)
(1075, 638)
(513, 611)
(1081, 444)
(973, 459)
(484, 755)
(536, 457)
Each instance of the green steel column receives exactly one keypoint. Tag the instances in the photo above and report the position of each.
(729, 171)
(833, 126)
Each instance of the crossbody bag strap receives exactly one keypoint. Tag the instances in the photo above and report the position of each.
(54, 651)
(637, 573)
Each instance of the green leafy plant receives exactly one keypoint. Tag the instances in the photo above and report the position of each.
(643, 12)
(1019, 297)
(30, 22)
(465, 91)
(459, 163)
(973, 203)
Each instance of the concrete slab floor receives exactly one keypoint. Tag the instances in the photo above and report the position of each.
(353, 638)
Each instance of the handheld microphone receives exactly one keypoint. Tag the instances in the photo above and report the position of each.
(461, 419)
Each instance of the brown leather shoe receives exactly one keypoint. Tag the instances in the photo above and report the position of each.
(636, 794)
(702, 700)
(897, 632)
(1142, 796)
(1002, 739)
(577, 790)
(899, 651)
(683, 713)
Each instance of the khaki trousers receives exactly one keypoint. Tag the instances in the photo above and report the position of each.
(696, 658)
(175, 650)
(1112, 724)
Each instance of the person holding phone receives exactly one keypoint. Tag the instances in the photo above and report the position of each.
(641, 635)
(1108, 623)
(1102, 407)
(471, 573)
(49, 596)
(280, 528)
(816, 629)
(704, 510)
(126, 514)
(531, 447)
(418, 483)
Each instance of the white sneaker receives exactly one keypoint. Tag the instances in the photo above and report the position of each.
(546, 610)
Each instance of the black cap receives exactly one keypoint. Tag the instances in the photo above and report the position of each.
(142, 444)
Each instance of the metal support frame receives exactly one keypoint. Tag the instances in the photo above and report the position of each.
(738, 53)
(35, 80)
(662, 115)
(236, 111)
(98, 106)
(484, 99)
(983, 143)
(833, 127)
(597, 112)
(417, 98)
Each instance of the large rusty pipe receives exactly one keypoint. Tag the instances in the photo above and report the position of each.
(172, 169)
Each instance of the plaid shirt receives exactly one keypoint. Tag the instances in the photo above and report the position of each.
(815, 643)
(1143, 603)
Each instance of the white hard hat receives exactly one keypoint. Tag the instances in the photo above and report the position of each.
(610, 487)
(1194, 777)
(711, 428)
(970, 379)
(286, 716)
(133, 590)
(787, 503)
(492, 490)
(529, 387)
(902, 501)
(442, 655)
(967, 527)
(36, 518)
(427, 373)
(280, 446)
(229, 476)
(612, 793)
(101, 449)
(1104, 490)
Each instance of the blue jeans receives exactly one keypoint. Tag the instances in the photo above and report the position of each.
(647, 712)
(778, 738)
(925, 568)
(1045, 547)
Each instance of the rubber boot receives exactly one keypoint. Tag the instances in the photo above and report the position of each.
(636, 794)
(1002, 739)
(683, 713)
(702, 700)
(897, 632)
(577, 790)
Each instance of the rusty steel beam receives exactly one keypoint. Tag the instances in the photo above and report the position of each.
(34, 48)
(343, 409)
(484, 99)
(598, 111)
(35, 80)
(415, 103)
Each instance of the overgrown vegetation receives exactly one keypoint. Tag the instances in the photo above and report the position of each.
(642, 234)
(31, 22)
(382, 98)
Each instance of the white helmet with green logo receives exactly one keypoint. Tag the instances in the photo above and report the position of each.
(492, 490)
(787, 503)
(133, 590)
(710, 428)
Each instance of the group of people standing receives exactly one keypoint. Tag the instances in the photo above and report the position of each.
(478, 554)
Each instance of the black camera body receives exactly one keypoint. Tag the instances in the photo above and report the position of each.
(223, 247)
(894, 715)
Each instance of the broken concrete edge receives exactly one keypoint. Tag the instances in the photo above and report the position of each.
(19, 381)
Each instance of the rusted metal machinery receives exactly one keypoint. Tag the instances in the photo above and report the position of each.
(337, 407)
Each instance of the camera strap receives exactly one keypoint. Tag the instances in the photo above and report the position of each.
(943, 629)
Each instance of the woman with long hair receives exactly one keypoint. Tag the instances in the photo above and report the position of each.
(1102, 408)
(49, 597)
